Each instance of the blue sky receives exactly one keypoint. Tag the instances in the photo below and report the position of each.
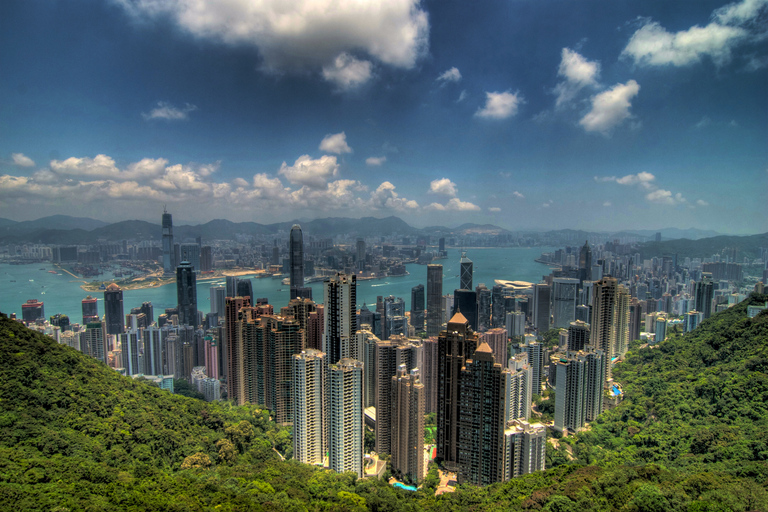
(525, 114)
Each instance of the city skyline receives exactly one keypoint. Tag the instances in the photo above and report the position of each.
(537, 116)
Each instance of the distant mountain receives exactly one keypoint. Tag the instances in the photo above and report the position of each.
(60, 222)
(674, 233)
(6, 223)
(480, 229)
(748, 246)
(128, 230)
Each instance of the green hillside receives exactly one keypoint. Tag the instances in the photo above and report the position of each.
(690, 436)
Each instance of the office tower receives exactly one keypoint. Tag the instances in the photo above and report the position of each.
(360, 255)
(519, 388)
(234, 348)
(90, 310)
(206, 258)
(603, 325)
(153, 339)
(465, 302)
(113, 309)
(455, 345)
(429, 373)
(309, 406)
(340, 293)
(92, 341)
(368, 341)
(497, 340)
(395, 321)
(390, 354)
(536, 359)
(703, 291)
(191, 254)
(441, 244)
(483, 295)
(541, 307)
(585, 262)
(169, 262)
(446, 311)
(434, 299)
(218, 298)
(578, 336)
(231, 285)
(564, 292)
(149, 311)
(315, 325)
(407, 424)
(345, 416)
(636, 316)
(211, 358)
(465, 272)
(32, 311)
(186, 293)
(296, 260)
(482, 419)
(516, 324)
(622, 322)
(498, 307)
(417, 307)
(579, 393)
(583, 313)
(245, 289)
(372, 319)
(660, 334)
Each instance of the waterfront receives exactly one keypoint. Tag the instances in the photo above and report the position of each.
(61, 293)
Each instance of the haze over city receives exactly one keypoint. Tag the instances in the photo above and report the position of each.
(539, 115)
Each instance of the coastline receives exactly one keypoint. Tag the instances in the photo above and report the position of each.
(155, 281)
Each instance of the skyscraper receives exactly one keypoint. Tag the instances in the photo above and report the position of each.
(465, 272)
(218, 296)
(498, 307)
(93, 342)
(407, 423)
(579, 393)
(622, 322)
(585, 262)
(296, 264)
(417, 307)
(186, 293)
(345, 416)
(434, 299)
(564, 293)
(703, 292)
(429, 372)
(519, 388)
(90, 310)
(245, 289)
(482, 419)
(191, 254)
(455, 345)
(360, 255)
(169, 263)
(309, 407)
(542, 294)
(340, 318)
(483, 295)
(603, 325)
(465, 302)
(578, 336)
(234, 349)
(113, 309)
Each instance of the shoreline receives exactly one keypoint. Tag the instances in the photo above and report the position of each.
(140, 283)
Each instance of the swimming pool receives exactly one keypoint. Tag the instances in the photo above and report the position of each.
(403, 486)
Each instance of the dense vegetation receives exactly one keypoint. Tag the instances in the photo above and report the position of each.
(690, 436)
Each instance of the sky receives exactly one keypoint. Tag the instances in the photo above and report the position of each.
(526, 114)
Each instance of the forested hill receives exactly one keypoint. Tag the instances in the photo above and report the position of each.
(75, 435)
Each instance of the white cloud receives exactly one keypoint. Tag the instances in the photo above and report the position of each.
(518, 195)
(385, 197)
(375, 161)
(705, 121)
(99, 166)
(494, 209)
(607, 203)
(443, 187)
(347, 72)
(452, 75)
(302, 34)
(740, 12)
(577, 72)
(662, 196)
(701, 202)
(644, 179)
(462, 96)
(21, 160)
(335, 143)
(169, 112)
(312, 173)
(610, 108)
(180, 178)
(500, 105)
(461, 206)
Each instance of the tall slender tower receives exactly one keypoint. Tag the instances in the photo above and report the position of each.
(434, 299)
(542, 306)
(340, 318)
(564, 293)
(168, 251)
(186, 293)
(234, 349)
(603, 326)
(309, 406)
(113, 309)
(345, 416)
(90, 310)
(465, 274)
(703, 292)
(417, 307)
(296, 260)
(585, 262)
(407, 423)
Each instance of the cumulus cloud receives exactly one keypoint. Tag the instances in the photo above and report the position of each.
(500, 105)
(610, 108)
(99, 166)
(518, 195)
(461, 206)
(577, 73)
(443, 187)
(302, 34)
(21, 160)
(375, 161)
(701, 202)
(452, 75)
(644, 179)
(662, 196)
(385, 197)
(314, 173)
(335, 143)
(169, 112)
(494, 209)
(347, 72)
(646, 182)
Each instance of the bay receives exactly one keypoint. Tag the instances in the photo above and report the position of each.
(61, 293)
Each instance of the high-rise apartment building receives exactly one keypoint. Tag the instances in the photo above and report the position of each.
(218, 297)
(90, 310)
(519, 384)
(622, 322)
(92, 341)
(113, 309)
(345, 416)
(169, 262)
(603, 325)
(564, 294)
(536, 359)
(579, 393)
(340, 314)
(129, 350)
(578, 336)
(367, 342)
(496, 339)
(186, 293)
(407, 423)
(434, 299)
(429, 373)
(191, 254)
(524, 448)
(498, 307)
(703, 292)
(234, 348)
(585, 262)
(309, 407)
(417, 307)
